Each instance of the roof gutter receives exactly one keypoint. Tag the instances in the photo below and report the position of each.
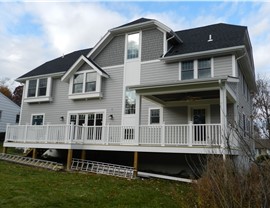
(58, 74)
(201, 53)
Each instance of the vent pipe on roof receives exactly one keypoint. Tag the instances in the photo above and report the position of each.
(210, 38)
(63, 56)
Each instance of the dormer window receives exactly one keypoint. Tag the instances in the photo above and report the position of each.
(133, 45)
(85, 84)
(38, 90)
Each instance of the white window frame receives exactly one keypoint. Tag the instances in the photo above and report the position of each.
(37, 98)
(84, 95)
(38, 114)
(160, 115)
(195, 67)
(140, 46)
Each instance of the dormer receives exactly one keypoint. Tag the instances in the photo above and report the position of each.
(85, 79)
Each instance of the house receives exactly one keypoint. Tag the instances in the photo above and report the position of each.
(262, 147)
(9, 114)
(144, 94)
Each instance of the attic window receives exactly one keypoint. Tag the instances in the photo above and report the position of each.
(133, 45)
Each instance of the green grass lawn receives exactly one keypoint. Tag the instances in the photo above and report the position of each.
(23, 186)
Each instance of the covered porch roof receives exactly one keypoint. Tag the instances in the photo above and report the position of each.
(183, 92)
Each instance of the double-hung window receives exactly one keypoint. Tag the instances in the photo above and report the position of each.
(32, 88)
(204, 68)
(84, 82)
(133, 45)
(187, 70)
(42, 87)
(78, 83)
(196, 69)
(154, 116)
(130, 102)
(38, 119)
(38, 90)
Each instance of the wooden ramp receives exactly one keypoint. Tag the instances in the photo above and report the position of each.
(102, 168)
(32, 162)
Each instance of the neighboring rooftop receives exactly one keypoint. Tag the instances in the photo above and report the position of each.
(60, 64)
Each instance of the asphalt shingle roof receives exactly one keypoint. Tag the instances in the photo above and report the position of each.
(141, 20)
(60, 64)
(196, 40)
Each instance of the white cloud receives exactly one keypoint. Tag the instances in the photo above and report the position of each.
(72, 26)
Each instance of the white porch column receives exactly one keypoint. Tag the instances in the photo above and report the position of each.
(223, 113)
(137, 119)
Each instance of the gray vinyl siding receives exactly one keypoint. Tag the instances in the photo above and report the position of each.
(9, 111)
(175, 115)
(152, 44)
(159, 72)
(145, 105)
(244, 105)
(111, 101)
(84, 67)
(113, 53)
(223, 66)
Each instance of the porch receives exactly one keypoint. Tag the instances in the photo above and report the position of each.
(187, 135)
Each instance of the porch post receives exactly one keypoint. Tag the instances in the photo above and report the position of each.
(135, 164)
(83, 154)
(5, 150)
(69, 158)
(223, 116)
(34, 153)
(137, 120)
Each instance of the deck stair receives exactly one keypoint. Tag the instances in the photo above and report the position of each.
(32, 162)
(102, 168)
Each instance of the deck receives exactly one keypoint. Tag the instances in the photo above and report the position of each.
(188, 138)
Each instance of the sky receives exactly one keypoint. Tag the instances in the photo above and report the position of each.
(32, 33)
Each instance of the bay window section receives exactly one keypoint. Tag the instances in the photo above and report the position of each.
(130, 101)
(38, 90)
(84, 85)
(78, 83)
(204, 68)
(187, 70)
(133, 45)
(32, 88)
(42, 87)
(90, 84)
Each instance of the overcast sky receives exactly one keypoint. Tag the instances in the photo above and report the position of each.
(33, 33)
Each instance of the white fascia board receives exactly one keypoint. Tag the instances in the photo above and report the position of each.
(201, 53)
(77, 65)
(99, 43)
(180, 83)
(22, 80)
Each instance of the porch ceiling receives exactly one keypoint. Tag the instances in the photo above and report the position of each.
(188, 96)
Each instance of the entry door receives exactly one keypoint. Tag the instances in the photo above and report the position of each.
(199, 117)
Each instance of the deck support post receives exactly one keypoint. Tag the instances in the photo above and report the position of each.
(223, 118)
(83, 155)
(34, 153)
(5, 150)
(69, 158)
(135, 164)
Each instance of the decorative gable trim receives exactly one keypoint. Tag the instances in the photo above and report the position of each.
(81, 60)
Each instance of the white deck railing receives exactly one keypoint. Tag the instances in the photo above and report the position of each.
(153, 135)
